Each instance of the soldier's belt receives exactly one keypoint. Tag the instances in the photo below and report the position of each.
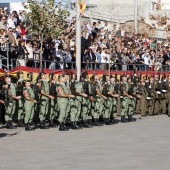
(164, 91)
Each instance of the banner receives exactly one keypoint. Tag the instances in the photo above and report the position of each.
(100, 73)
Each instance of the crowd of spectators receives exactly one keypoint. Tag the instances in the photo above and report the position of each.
(101, 46)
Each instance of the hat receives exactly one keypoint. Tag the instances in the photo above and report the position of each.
(5, 8)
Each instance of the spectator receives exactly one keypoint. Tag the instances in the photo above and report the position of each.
(3, 22)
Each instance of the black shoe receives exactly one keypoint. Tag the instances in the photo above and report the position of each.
(32, 124)
(131, 119)
(168, 115)
(123, 120)
(51, 124)
(21, 123)
(74, 126)
(8, 125)
(96, 122)
(86, 125)
(42, 125)
(27, 127)
(62, 127)
(107, 122)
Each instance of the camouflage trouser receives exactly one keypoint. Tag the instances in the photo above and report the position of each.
(63, 109)
(53, 109)
(96, 107)
(9, 109)
(86, 106)
(20, 109)
(125, 106)
(108, 105)
(131, 108)
(43, 109)
(75, 108)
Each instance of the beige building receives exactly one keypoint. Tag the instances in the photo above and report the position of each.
(122, 11)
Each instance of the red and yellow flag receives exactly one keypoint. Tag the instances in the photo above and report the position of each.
(82, 6)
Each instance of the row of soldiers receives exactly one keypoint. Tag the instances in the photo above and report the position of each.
(68, 99)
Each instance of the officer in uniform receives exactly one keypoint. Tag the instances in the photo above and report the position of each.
(63, 101)
(164, 94)
(19, 91)
(158, 87)
(141, 96)
(10, 103)
(44, 100)
(151, 95)
(29, 105)
(168, 94)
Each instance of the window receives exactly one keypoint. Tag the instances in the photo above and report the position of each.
(153, 6)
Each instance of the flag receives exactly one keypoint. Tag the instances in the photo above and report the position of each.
(82, 6)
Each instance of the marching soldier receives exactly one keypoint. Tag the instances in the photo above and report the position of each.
(19, 91)
(10, 101)
(142, 92)
(158, 87)
(75, 103)
(164, 94)
(97, 95)
(63, 101)
(86, 103)
(53, 102)
(29, 105)
(151, 95)
(125, 100)
(114, 99)
(44, 100)
(168, 94)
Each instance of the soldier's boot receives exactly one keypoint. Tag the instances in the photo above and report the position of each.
(27, 127)
(96, 122)
(62, 127)
(107, 122)
(21, 123)
(42, 125)
(11, 125)
(74, 126)
(86, 125)
(8, 126)
(123, 120)
(51, 124)
(113, 120)
(131, 119)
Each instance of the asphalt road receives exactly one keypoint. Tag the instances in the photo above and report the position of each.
(142, 145)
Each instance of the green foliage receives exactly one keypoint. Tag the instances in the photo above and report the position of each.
(46, 18)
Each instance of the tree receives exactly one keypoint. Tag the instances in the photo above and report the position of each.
(46, 19)
(159, 20)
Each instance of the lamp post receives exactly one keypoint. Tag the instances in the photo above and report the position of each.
(78, 38)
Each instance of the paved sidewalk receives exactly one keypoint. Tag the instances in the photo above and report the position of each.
(144, 145)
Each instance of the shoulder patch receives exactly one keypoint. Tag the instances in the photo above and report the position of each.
(25, 93)
(59, 89)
